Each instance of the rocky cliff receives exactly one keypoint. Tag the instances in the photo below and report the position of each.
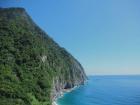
(34, 69)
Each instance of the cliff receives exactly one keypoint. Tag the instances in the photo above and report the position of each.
(34, 69)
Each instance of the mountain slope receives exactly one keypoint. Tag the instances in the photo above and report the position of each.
(33, 68)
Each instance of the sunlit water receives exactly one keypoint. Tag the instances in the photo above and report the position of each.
(105, 90)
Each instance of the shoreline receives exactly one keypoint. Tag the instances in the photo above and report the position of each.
(62, 94)
(54, 103)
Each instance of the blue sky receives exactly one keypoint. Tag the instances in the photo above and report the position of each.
(104, 35)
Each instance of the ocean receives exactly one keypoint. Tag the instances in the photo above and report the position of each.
(105, 90)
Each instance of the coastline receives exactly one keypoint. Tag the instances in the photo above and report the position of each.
(54, 103)
(62, 94)
(104, 90)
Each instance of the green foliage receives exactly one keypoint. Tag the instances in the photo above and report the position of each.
(29, 60)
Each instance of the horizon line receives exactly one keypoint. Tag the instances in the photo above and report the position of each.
(114, 75)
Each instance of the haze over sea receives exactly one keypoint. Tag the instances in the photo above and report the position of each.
(105, 90)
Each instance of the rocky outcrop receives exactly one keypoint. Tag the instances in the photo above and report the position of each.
(78, 78)
(34, 69)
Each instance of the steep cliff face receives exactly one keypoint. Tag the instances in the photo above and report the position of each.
(33, 68)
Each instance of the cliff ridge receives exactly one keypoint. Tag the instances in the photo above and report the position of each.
(34, 69)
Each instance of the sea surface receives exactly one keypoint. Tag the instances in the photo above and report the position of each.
(105, 90)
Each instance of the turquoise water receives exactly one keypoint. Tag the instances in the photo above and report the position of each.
(105, 90)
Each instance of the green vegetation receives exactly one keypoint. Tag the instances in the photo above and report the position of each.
(30, 60)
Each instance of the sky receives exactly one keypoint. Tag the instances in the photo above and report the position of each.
(104, 35)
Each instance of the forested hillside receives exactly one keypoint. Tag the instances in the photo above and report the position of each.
(33, 67)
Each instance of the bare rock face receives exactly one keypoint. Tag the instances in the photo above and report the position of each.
(34, 69)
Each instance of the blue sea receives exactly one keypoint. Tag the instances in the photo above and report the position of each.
(105, 90)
